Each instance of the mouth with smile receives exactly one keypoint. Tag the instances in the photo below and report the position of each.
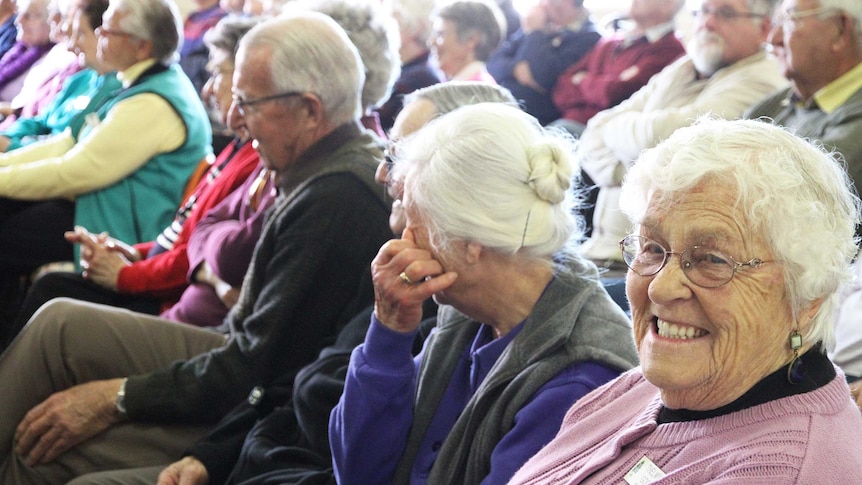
(677, 331)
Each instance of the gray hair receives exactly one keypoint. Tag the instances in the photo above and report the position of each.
(311, 53)
(156, 21)
(851, 8)
(476, 17)
(225, 35)
(415, 16)
(374, 32)
(762, 7)
(452, 95)
(793, 193)
(489, 173)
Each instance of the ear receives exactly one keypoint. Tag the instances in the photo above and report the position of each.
(808, 314)
(846, 35)
(312, 106)
(473, 253)
(144, 49)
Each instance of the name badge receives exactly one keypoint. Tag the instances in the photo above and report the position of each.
(643, 473)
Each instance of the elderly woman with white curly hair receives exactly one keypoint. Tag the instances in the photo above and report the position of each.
(744, 233)
(525, 328)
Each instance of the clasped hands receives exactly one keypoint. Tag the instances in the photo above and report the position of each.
(102, 256)
(397, 303)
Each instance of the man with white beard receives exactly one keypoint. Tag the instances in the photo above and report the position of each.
(724, 72)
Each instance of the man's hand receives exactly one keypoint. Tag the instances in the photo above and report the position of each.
(66, 419)
(524, 75)
(229, 295)
(188, 471)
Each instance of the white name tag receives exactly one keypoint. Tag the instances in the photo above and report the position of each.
(643, 473)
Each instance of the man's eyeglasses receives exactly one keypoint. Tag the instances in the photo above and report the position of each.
(102, 31)
(787, 19)
(724, 14)
(705, 267)
(242, 105)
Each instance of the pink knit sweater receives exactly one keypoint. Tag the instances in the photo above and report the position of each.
(811, 438)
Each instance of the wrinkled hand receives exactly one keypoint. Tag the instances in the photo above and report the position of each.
(856, 393)
(4, 143)
(188, 471)
(102, 257)
(524, 75)
(397, 304)
(66, 419)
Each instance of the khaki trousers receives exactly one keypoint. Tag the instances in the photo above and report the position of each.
(68, 342)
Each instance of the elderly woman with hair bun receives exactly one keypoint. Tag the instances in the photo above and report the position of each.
(524, 330)
(744, 233)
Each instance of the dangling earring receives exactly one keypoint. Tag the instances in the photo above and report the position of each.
(794, 369)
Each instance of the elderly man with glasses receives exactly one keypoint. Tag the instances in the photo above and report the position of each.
(724, 72)
(819, 45)
(68, 408)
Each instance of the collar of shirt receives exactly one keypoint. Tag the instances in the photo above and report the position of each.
(652, 34)
(486, 350)
(130, 75)
(833, 95)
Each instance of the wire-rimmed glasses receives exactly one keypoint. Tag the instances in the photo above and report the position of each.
(706, 267)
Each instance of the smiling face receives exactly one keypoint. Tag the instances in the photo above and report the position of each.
(217, 90)
(32, 22)
(737, 333)
(451, 53)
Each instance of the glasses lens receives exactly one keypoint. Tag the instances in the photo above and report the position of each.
(707, 267)
(644, 256)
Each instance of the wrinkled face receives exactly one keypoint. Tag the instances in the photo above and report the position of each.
(735, 334)
(217, 91)
(116, 49)
(276, 125)
(32, 22)
(804, 46)
(414, 116)
(451, 53)
(720, 42)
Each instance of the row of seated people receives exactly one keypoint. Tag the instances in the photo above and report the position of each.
(389, 282)
(533, 327)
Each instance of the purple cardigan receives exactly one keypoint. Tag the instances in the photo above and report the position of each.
(225, 238)
(805, 438)
(385, 371)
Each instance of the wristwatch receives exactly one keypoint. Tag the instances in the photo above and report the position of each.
(120, 402)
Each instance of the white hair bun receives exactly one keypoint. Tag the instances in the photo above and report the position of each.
(550, 171)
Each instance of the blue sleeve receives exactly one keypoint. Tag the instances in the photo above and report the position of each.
(368, 428)
(540, 418)
(501, 64)
(548, 62)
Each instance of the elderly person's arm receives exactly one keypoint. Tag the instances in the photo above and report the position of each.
(134, 130)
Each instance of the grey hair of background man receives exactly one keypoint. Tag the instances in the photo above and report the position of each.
(762, 7)
(415, 16)
(225, 35)
(476, 17)
(311, 53)
(515, 195)
(374, 32)
(156, 21)
(850, 8)
(792, 193)
(452, 95)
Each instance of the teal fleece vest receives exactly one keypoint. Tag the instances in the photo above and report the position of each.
(138, 207)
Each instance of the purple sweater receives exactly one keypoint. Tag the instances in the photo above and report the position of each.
(380, 384)
(805, 438)
(225, 238)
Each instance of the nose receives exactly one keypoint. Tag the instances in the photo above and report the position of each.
(207, 89)
(381, 175)
(670, 283)
(236, 121)
(776, 35)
